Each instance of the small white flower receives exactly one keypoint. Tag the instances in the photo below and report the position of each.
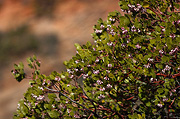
(41, 97)
(139, 30)
(68, 70)
(161, 51)
(129, 5)
(101, 96)
(128, 40)
(111, 19)
(76, 116)
(110, 44)
(124, 32)
(102, 89)
(167, 67)
(88, 65)
(57, 79)
(68, 110)
(76, 70)
(85, 76)
(99, 82)
(159, 105)
(109, 26)
(96, 72)
(108, 71)
(98, 31)
(18, 105)
(151, 79)
(172, 36)
(138, 46)
(123, 45)
(109, 86)
(53, 106)
(97, 60)
(150, 59)
(102, 26)
(174, 90)
(147, 65)
(41, 88)
(71, 76)
(133, 5)
(130, 56)
(109, 65)
(178, 21)
(106, 78)
(165, 99)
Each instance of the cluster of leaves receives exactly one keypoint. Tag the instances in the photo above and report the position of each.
(132, 70)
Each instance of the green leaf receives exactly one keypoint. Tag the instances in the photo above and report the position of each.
(124, 21)
(111, 75)
(148, 104)
(16, 66)
(24, 109)
(48, 106)
(145, 4)
(29, 60)
(52, 96)
(34, 57)
(160, 90)
(78, 47)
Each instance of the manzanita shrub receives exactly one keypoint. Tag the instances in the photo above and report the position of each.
(132, 70)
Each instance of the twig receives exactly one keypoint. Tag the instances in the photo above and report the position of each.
(74, 101)
(155, 13)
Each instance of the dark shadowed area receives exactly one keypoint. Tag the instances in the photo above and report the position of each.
(46, 28)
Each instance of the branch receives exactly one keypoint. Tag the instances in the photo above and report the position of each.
(74, 101)
(155, 13)
(92, 102)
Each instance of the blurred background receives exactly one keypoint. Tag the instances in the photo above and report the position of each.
(46, 28)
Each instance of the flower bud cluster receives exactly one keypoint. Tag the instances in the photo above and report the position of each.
(102, 26)
(98, 31)
(150, 59)
(76, 116)
(102, 89)
(160, 105)
(161, 51)
(138, 46)
(172, 36)
(96, 72)
(110, 30)
(110, 44)
(39, 98)
(57, 78)
(109, 86)
(85, 76)
(153, 80)
(101, 96)
(99, 82)
(137, 8)
(147, 65)
(173, 51)
(167, 68)
(112, 19)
